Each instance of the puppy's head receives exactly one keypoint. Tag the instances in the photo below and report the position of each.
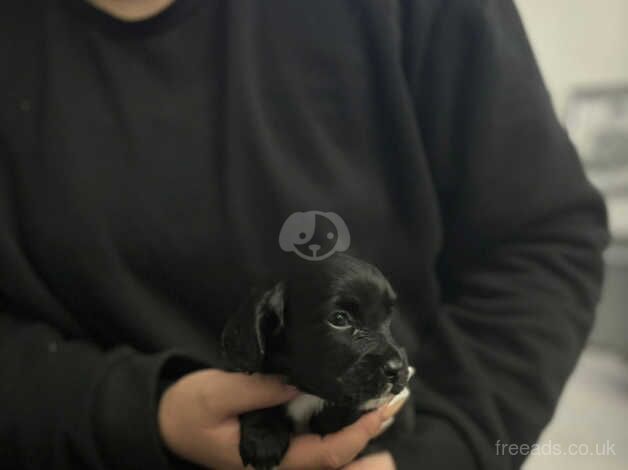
(327, 329)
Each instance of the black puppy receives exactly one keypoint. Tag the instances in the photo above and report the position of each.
(327, 329)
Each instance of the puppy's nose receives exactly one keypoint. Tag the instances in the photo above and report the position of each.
(392, 369)
(314, 247)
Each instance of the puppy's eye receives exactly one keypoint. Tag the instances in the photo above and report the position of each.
(340, 319)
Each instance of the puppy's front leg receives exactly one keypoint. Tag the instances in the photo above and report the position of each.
(264, 437)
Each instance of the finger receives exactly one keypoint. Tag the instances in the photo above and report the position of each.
(333, 450)
(237, 393)
(220, 446)
(379, 461)
(391, 409)
(385, 425)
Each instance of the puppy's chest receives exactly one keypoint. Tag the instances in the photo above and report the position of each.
(302, 409)
(310, 413)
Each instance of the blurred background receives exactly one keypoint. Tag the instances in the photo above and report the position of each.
(582, 49)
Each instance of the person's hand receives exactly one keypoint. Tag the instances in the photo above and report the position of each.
(338, 450)
(379, 461)
(198, 421)
(198, 414)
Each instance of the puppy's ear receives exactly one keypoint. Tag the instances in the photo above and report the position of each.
(245, 337)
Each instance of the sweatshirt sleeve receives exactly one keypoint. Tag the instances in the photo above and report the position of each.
(523, 234)
(65, 404)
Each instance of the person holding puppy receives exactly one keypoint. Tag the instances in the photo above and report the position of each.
(150, 152)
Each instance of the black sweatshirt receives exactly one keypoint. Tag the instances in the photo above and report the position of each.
(146, 170)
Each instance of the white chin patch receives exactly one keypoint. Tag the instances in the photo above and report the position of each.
(302, 408)
(387, 397)
(378, 401)
(374, 403)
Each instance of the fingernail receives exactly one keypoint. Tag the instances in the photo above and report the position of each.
(396, 403)
(386, 424)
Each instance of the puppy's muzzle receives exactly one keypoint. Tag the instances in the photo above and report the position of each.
(395, 371)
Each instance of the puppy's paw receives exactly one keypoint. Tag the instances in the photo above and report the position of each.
(264, 438)
(262, 450)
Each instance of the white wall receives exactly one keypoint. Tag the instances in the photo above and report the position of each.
(578, 42)
(581, 43)
(585, 43)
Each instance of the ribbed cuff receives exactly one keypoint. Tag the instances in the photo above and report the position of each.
(126, 408)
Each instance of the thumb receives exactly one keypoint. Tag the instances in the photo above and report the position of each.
(237, 393)
(333, 450)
